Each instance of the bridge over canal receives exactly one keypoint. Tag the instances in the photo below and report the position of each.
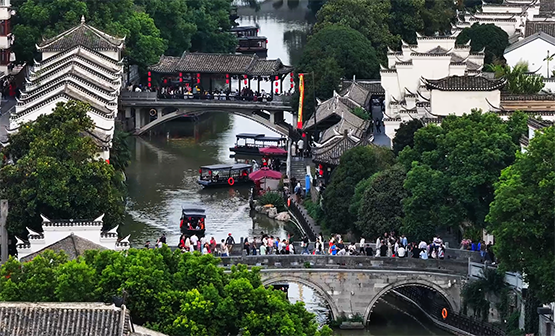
(353, 285)
(148, 110)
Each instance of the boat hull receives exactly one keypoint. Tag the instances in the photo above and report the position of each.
(215, 184)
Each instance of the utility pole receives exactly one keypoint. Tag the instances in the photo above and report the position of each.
(3, 231)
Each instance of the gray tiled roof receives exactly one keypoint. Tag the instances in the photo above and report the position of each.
(357, 93)
(539, 35)
(533, 27)
(331, 151)
(220, 63)
(84, 35)
(464, 83)
(74, 246)
(63, 318)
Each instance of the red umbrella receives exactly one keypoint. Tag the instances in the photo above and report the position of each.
(265, 172)
(272, 150)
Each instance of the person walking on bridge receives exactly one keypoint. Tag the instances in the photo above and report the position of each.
(229, 243)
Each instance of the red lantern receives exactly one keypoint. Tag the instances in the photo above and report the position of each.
(165, 81)
(198, 80)
(149, 74)
(245, 76)
(292, 85)
(276, 90)
(198, 75)
(180, 79)
(266, 41)
(277, 83)
(277, 77)
(108, 161)
(320, 170)
(227, 81)
(149, 85)
(245, 82)
(149, 79)
(226, 75)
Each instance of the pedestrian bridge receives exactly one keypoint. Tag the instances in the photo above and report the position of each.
(353, 285)
(148, 110)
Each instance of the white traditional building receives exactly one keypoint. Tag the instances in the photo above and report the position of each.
(433, 79)
(532, 50)
(81, 64)
(6, 38)
(55, 231)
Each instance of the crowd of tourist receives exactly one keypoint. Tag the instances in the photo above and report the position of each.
(197, 92)
(389, 245)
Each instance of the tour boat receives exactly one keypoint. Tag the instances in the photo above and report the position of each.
(224, 174)
(251, 143)
(190, 219)
(249, 42)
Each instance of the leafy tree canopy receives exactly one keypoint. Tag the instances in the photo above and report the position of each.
(369, 17)
(334, 52)
(405, 135)
(522, 215)
(172, 292)
(381, 208)
(150, 26)
(488, 36)
(452, 169)
(406, 19)
(519, 81)
(356, 165)
(56, 172)
(438, 15)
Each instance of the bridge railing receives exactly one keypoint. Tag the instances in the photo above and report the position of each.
(154, 96)
(349, 262)
(132, 95)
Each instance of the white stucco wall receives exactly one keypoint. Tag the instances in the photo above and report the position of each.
(533, 52)
(459, 102)
(434, 67)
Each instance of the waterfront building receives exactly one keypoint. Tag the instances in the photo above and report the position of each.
(84, 64)
(435, 78)
(72, 236)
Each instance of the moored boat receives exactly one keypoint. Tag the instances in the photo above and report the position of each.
(224, 174)
(251, 143)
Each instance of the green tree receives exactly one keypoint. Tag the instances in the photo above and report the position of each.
(120, 154)
(369, 17)
(519, 81)
(452, 169)
(356, 165)
(488, 36)
(381, 209)
(47, 18)
(438, 15)
(334, 52)
(172, 292)
(56, 172)
(522, 215)
(406, 19)
(405, 135)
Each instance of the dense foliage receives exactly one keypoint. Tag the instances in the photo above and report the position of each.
(381, 209)
(488, 36)
(334, 52)
(405, 135)
(150, 26)
(56, 172)
(356, 165)
(479, 294)
(172, 292)
(519, 81)
(522, 215)
(273, 198)
(452, 169)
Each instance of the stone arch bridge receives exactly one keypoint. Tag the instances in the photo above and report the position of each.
(353, 285)
(149, 111)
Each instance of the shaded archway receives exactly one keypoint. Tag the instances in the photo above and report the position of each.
(448, 299)
(286, 278)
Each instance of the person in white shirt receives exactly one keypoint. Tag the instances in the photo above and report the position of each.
(396, 248)
(224, 249)
(401, 252)
(262, 249)
(194, 241)
(378, 240)
(300, 147)
(424, 254)
(361, 245)
(291, 248)
(422, 245)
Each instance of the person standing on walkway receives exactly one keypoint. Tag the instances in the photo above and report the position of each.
(300, 147)
(361, 245)
(378, 124)
(229, 243)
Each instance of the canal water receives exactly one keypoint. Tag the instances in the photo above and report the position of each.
(164, 168)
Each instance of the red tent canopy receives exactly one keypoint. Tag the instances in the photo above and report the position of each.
(272, 150)
(264, 173)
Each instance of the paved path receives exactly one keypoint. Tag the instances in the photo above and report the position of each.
(380, 139)
(5, 109)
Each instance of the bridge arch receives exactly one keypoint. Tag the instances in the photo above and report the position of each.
(179, 112)
(411, 283)
(275, 279)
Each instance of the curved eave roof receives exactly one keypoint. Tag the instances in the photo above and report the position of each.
(84, 35)
(464, 83)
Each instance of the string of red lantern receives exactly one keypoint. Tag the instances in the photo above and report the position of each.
(149, 79)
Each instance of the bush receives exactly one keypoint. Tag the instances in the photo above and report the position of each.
(361, 113)
(273, 198)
